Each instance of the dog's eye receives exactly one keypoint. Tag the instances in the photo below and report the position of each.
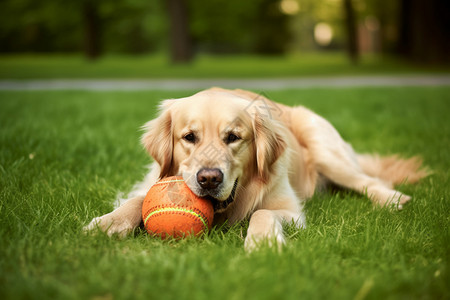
(231, 138)
(190, 137)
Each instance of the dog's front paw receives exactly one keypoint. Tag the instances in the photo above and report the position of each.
(273, 238)
(264, 229)
(254, 242)
(110, 225)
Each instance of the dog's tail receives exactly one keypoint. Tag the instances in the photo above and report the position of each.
(393, 169)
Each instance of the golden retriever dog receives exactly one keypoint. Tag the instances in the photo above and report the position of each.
(255, 159)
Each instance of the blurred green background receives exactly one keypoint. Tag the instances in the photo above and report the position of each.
(38, 36)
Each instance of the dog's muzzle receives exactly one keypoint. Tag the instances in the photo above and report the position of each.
(221, 206)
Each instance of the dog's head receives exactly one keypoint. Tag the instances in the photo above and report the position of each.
(216, 141)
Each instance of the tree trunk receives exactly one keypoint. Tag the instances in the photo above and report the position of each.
(352, 33)
(92, 42)
(404, 28)
(425, 30)
(180, 40)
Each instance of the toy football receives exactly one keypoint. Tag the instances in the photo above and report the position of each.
(171, 209)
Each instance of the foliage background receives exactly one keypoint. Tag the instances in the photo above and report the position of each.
(412, 28)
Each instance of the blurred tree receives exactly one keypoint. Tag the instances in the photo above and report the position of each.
(271, 33)
(137, 26)
(127, 26)
(424, 28)
(222, 26)
(417, 29)
(180, 39)
(39, 26)
(386, 13)
(134, 26)
(233, 26)
(351, 30)
(92, 29)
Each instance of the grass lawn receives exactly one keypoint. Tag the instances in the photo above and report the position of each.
(157, 66)
(66, 154)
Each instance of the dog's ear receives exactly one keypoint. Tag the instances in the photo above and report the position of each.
(270, 143)
(158, 138)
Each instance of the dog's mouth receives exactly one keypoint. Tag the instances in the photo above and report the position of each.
(221, 206)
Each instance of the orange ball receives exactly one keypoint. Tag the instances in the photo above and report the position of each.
(171, 209)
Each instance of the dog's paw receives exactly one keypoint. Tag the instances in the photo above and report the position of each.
(110, 225)
(403, 199)
(397, 201)
(274, 239)
(255, 242)
(393, 199)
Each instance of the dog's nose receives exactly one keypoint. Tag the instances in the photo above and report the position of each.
(209, 178)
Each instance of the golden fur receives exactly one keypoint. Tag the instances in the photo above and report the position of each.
(272, 158)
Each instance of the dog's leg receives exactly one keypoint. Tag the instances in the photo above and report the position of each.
(122, 220)
(378, 191)
(335, 159)
(266, 226)
(125, 218)
(339, 164)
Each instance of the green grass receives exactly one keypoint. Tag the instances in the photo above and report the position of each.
(243, 66)
(65, 155)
